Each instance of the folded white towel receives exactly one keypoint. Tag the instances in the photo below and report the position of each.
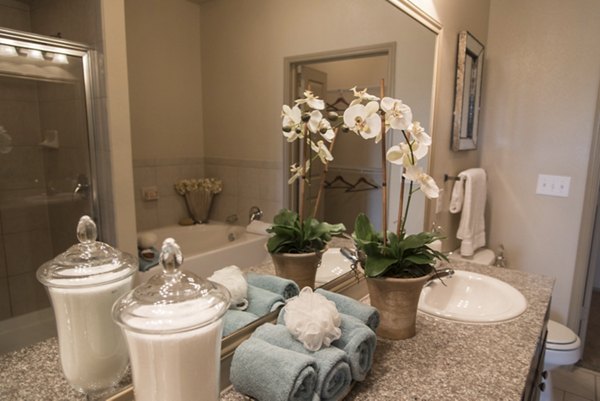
(471, 229)
(232, 278)
(258, 227)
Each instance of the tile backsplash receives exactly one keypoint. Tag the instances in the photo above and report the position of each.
(245, 184)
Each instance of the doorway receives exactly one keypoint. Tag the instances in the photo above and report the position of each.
(353, 179)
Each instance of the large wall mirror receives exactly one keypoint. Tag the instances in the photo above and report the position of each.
(246, 53)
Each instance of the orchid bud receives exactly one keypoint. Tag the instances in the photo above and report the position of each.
(287, 129)
(305, 117)
(345, 128)
(298, 130)
(332, 116)
(323, 130)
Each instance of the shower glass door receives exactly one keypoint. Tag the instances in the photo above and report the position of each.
(46, 168)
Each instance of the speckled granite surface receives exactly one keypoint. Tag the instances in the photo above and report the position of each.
(444, 361)
(454, 361)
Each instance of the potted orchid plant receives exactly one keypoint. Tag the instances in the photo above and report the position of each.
(397, 264)
(298, 241)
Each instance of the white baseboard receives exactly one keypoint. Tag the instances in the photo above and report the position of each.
(24, 330)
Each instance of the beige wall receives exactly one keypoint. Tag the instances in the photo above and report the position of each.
(455, 16)
(540, 93)
(163, 56)
(119, 139)
(243, 65)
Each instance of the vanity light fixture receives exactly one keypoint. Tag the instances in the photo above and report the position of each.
(8, 51)
(32, 53)
(58, 58)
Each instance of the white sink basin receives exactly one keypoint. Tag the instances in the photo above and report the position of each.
(333, 265)
(472, 297)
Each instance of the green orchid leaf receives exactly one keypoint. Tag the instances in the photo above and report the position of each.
(290, 236)
(377, 265)
(363, 229)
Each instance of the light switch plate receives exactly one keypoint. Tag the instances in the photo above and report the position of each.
(553, 185)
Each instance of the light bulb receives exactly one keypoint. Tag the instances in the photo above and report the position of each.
(8, 51)
(35, 54)
(60, 58)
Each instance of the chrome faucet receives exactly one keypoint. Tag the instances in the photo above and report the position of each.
(442, 273)
(255, 213)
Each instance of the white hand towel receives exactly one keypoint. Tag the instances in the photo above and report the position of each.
(258, 227)
(458, 195)
(471, 229)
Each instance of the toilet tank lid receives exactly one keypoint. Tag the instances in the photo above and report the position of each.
(560, 334)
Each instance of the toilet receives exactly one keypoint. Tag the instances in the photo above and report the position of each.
(563, 347)
(482, 256)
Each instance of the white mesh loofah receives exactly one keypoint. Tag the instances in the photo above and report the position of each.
(232, 278)
(312, 319)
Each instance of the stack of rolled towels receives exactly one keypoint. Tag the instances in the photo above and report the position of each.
(276, 364)
(252, 295)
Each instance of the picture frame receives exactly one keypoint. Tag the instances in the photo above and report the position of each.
(467, 100)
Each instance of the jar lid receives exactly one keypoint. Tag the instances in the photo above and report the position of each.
(87, 264)
(172, 301)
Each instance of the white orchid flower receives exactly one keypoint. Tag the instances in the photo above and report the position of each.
(322, 151)
(419, 134)
(313, 101)
(325, 130)
(426, 183)
(298, 171)
(315, 119)
(397, 114)
(401, 153)
(292, 120)
(362, 95)
(363, 120)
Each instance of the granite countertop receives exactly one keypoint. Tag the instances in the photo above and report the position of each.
(456, 361)
(444, 361)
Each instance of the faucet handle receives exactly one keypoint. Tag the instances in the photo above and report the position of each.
(255, 213)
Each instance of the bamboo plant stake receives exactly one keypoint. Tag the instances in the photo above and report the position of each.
(303, 153)
(324, 174)
(384, 166)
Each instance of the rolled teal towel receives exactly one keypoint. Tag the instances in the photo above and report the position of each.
(270, 373)
(333, 371)
(286, 288)
(365, 313)
(261, 302)
(358, 342)
(236, 319)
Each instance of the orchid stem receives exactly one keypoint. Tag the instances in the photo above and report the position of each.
(384, 168)
(303, 158)
(324, 174)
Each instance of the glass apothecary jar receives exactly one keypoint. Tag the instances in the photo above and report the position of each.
(83, 283)
(173, 325)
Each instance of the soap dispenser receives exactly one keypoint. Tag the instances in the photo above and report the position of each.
(83, 283)
(173, 325)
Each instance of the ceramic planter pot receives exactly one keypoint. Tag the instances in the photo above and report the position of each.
(397, 300)
(299, 267)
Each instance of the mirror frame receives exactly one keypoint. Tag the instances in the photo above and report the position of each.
(467, 100)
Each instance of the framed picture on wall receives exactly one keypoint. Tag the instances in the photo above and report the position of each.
(469, 74)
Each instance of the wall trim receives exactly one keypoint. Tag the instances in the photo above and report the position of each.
(582, 282)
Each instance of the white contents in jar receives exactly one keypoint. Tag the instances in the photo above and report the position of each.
(93, 352)
(176, 366)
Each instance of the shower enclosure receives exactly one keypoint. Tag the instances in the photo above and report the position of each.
(47, 167)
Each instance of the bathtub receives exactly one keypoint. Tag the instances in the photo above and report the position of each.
(209, 247)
